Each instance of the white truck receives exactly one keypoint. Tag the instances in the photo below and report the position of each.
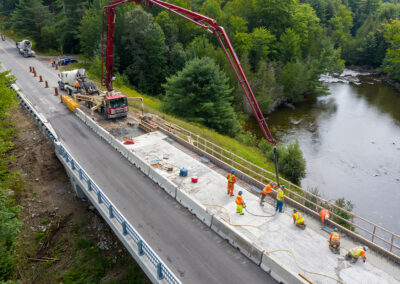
(25, 48)
(68, 80)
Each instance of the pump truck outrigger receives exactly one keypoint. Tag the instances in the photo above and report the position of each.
(206, 23)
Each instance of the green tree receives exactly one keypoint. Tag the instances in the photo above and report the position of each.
(392, 59)
(142, 51)
(29, 17)
(289, 45)
(200, 93)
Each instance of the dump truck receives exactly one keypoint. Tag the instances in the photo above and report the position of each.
(25, 48)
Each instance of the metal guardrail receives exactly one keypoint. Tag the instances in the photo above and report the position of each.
(144, 250)
(379, 236)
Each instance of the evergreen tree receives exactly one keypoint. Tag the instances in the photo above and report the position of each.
(200, 93)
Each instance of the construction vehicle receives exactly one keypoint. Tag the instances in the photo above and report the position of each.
(25, 48)
(68, 80)
(206, 23)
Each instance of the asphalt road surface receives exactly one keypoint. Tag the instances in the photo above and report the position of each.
(189, 248)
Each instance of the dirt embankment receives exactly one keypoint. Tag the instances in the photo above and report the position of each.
(63, 239)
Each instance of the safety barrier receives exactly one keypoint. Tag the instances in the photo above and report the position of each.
(145, 256)
(163, 182)
(193, 206)
(237, 240)
(276, 270)
(373, 235)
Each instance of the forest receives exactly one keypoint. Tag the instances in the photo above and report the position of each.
(284, 46)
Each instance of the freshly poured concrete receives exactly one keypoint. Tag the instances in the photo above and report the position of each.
(310, 246)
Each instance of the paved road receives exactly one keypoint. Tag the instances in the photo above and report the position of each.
(193, 252)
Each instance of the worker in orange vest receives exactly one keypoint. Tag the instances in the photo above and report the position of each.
(266, 190)
(231, 182)
(334, 241)
(298, 219)
(77, 86)
(355, 253)
(324, 216)
(240, 203)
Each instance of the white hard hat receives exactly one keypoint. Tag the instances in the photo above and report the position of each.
(326, 216)
(365, 248)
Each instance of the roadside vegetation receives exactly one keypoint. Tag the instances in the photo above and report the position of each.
(10, 182)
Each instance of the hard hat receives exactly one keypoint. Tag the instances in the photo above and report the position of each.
(233, 171)
(283, 186)
(294, 210)
(336, 229)
(240, 192)
(326, 217)
(365, 248)
(272, 183)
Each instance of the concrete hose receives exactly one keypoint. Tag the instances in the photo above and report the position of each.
(302, 268)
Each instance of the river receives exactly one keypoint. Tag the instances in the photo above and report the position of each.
(351, 142)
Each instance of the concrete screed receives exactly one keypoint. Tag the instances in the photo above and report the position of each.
(310, 246)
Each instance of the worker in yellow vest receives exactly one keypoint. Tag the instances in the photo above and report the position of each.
(266, 190)
(334, 241)
(231, 182)
(240, 203)
(279, 199)
(298, 219)
(355, 253)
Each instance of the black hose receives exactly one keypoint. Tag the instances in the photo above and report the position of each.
(259, 215)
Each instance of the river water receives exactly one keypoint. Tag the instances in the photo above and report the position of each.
(351, 142)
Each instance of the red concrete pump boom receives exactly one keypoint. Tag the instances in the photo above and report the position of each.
(207, 24)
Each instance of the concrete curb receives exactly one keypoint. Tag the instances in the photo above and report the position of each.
(247, 247)
(278, 272)
(193, 206)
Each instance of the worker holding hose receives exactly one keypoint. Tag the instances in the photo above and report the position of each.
(240, 203)
(298, 219)
(279, 199)
(266, 190)
(231, 182)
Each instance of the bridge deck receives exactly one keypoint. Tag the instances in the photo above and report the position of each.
(190, 249)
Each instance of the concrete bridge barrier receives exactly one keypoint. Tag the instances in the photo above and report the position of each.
(237, 240)
(195, 207)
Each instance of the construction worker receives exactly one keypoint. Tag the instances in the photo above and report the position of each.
(334, 241)
(355, 253)
(52, 62)
(240, 203)
(266, 190)
(279, 199)
(324, 216)
(298, 219)
(231, 182)
(77, 86)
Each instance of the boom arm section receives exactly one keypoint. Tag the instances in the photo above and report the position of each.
(202, 21)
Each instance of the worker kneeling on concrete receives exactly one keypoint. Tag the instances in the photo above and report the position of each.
(266, 190)
(334, 241)
(324, 216)
(298, 219)
(355, 253)
(231, 182)
(240, 203)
